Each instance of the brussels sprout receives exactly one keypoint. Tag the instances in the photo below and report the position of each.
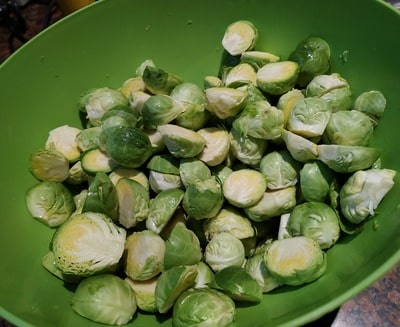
(313, 56)
(203, 307)
(347, 158)
(131, 85)
(333, 88)
(247, 149)
(315, 220)
(121, 115)
(272, 204)
(244, 188)
(106, 298)
(88, 138)
(363, 191)
(146, 63)
(309, 117)
(96, 102)
(172, 283)
(283, 222)
(279, 77)
(63, 139)
(315, 181)
(161, 182)
(133, 202)
(229, 220)
(193, 99)
(88, 243)
(162, 208)
(217, 145)
(224, 250)
(180, 141)
(182, 247)
(137, 100)
(95, 161)
(225, 102)
(253, 93)
(258, 58)
(50, 202)
(49, 165)
(145, 293)
(349, 127)
(238, 284)
(193, 170)
(130, 173)
(212, 81)
(128, 146)
(102, 197)
(221, 172)
(260, 120)
(371, 103)
(257, 269)
(279, 169)
(144, 255)
(156, 140)
(287, 101)
(48, 263)
(158, 81)
(76, 174)
(164, 163)
(205, 276)
(295, 261)
(300, 148)
(239, 37)
(203, 199)
(243, 73)
(160, 109)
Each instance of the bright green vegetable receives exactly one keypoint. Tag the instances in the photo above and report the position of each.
(258, 58)
(50, 202)
(276, 78)
(145, 293)
(107, 299)
(193, 170)
(88, 138)
(96, 161)
(240, 36)
(299, 147)
(203, 307)
(49, 165)
(243, 73)
(158, 81)
(225, 102)
(217, 145)
(371, 103)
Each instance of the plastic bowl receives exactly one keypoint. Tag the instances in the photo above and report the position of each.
(102, 45)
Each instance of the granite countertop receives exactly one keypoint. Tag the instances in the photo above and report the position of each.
(378, 305)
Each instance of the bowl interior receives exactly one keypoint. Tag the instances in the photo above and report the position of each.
(102, 45)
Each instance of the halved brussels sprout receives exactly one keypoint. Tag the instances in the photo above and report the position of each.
(144, 255)
(164, 163)
(158, 81)
(137, 100)
(217, 145)
(315, 220)
(225, 102)
(161, 182)
(76, 174)
(224, 250)
(63, 139)
(363, 191)
(205, 276)
(88, 243)
(309, 117)
(272, 204)
(240, 36)
(243, 73)
(182, 247)
(145, 293)
(106, 298)
(88, 138)
(244, 187)
(162, 208)
(258, 58)
(287, 101)
(96, 102)
(249, 150)
(181, 142)
(349, 127)
(193, 170)
(172, 283)
(203, 199)
(300, 148)
(133, 202)
(347, 158)
(49, 165)
(131, 85)
(203, 307)
(260, 120)
(50, 202)
(313, 56)
(279, 169)
(295, 261)
(212, 81)
(372, 103)
(131, 173)
(156, 140)
(315, 181)
(279, 77)
(160, 109)
(238, 284)
(96, 161)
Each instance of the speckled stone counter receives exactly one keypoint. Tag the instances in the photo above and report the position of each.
(378, 305)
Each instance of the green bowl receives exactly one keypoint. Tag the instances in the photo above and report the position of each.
(102, 45)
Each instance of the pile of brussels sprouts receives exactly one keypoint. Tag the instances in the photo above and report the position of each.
(181, 199)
